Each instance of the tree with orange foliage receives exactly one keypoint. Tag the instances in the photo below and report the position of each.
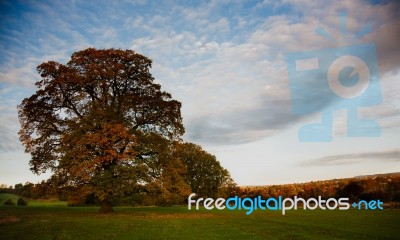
(84, 120)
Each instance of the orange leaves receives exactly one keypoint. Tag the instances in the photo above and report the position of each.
(86, 115)
(93, 151)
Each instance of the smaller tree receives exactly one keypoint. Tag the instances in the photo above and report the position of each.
(22, 202)
(9, 202)
(164, 179)
(24, 190)
(204, 174)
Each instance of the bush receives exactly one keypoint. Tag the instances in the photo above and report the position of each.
(9, 202)
(22, 202)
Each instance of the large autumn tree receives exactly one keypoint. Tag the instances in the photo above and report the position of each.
(89, 119)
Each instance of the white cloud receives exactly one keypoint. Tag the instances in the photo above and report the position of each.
(229, 71)
(226, 86)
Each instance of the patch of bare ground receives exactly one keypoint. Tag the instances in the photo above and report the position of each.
(161, 216)
(180, 216)
(4, 218)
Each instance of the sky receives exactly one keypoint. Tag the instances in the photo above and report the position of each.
(226, 61)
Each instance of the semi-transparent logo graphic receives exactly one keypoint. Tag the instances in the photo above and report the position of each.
(325, 80)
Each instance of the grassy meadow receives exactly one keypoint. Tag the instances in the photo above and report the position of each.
(54, 220)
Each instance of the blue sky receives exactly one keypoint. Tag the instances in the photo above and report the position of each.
(225, 61)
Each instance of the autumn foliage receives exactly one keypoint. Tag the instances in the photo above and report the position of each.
(102, 125)
(385, 187)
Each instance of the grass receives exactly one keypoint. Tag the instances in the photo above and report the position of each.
(31, 202)
(43, 221)
(5, 196)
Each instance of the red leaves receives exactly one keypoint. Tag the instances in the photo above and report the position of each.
(83, 119)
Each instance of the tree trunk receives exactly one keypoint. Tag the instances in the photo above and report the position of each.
(105, 206)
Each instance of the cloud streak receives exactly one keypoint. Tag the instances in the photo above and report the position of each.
(354, 158)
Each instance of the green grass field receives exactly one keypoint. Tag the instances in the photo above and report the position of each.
(53, 220)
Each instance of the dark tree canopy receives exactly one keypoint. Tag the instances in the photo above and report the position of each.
(204, 174)
(89, 118)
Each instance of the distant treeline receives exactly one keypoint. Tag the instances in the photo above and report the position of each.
(80, 197)
(384, 187)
